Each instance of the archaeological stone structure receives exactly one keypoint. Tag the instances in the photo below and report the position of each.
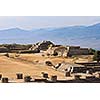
(76, 50)
(3, 49)
(58, 51)
(66, 51)
(44, 45)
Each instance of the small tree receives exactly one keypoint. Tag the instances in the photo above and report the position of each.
(96, 56)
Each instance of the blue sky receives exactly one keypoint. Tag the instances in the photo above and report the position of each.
(31, 22)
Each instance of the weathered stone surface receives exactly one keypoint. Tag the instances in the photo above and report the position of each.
(27, 78)
(19, 76)
(54, 78)
(66, 51)
(3, 49)
(0, 76)
(30, 51)
(76, 50)
(58, 51)
(77, 77)
(44, 45)
(67, 74)
(4, 80)
(45, 75)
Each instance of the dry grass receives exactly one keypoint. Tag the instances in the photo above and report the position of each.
(9, 67)
(30, 64)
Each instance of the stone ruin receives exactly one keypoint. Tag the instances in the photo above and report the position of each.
(44, 45)
(44, 75)
(27, 78)
(57, 51)
(67, 51)
(3, 49)
(54, 78)
(19, 76)
(0, 76)
(48, 46)
(4, 80)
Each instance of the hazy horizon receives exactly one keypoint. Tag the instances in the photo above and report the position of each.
(31, 33)
(31, 22)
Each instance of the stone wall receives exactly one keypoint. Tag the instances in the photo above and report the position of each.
(78, 51)
(3, 49)
(68, 51)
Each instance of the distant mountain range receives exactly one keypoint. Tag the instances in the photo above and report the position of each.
(85, 36)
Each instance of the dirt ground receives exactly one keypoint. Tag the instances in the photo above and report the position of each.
(30, 64)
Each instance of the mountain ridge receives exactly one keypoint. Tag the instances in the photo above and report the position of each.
(85, 36)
